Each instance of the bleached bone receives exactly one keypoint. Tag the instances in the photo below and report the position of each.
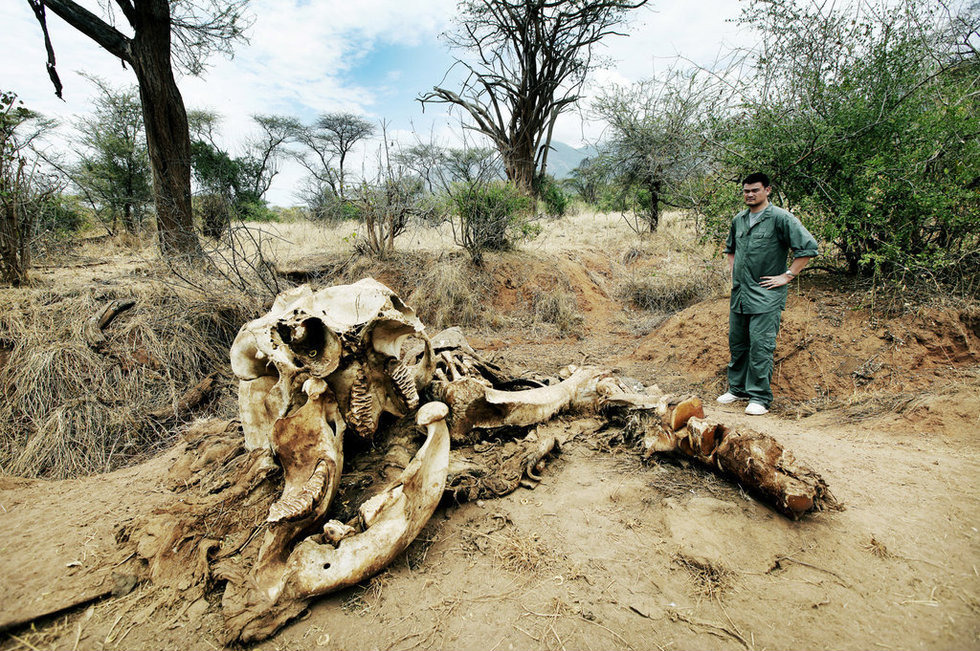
(393, 519)
(475, 405)
(398, 516)
(669, 424)
(350, 335)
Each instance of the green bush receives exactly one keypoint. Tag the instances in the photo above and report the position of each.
(555, 199)
(60, 215)
(878, 148)
(255, 211)
(489, 216)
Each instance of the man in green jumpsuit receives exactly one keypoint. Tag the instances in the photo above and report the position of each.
(758, 245)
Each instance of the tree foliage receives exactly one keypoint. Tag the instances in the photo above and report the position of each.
(327, 142)
(867, 118)
(113, 170)
(654, 142)
(527, 62)
(234, 187)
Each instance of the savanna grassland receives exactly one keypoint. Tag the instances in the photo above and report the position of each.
(879, 394)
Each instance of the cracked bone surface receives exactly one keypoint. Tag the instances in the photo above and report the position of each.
(318, 365)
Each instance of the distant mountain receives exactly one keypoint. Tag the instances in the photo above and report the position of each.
(562, 158)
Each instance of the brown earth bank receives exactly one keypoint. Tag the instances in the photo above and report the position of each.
(608, 551)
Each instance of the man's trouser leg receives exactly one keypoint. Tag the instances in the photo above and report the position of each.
(738, 346)
(763, 329)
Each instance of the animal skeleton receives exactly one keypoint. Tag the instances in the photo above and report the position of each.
(327, 364)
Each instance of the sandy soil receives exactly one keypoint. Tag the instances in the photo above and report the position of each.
(608, 551)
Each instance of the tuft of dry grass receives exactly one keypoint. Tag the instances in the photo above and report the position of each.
(67, 409)
(710, 579)
(558, 307)
(452, 291)
(511, 550)
(877, 548)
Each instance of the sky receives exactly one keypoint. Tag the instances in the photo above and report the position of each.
(368, 57)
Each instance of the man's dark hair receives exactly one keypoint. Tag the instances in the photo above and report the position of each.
(757, 177)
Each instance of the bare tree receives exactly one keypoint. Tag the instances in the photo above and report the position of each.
(197, 28)
(387, 204)
(531, 59)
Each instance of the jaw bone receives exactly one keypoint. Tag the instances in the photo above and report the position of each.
(391, 521)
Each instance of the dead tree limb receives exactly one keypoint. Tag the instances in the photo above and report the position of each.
(92, 331)
(191, 399)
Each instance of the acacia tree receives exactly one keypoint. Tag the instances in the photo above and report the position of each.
(655, 141)
(196, 28)
(264, 152)
(235, 184)
(114, 168)
(531, 58)
(331, 136)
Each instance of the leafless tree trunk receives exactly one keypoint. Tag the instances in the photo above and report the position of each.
(148, 51)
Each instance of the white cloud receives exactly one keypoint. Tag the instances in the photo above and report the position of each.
(302, 59)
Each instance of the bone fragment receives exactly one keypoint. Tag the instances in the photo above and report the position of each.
(406, 507)
(475, 405)
(334, 531)
(92, 330)
(684, 411)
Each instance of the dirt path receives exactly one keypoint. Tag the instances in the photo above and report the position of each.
(610, 553)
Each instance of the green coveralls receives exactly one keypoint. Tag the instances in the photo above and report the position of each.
(753, 321)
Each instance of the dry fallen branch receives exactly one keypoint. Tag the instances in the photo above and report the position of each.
(189, 400)
(92, 331)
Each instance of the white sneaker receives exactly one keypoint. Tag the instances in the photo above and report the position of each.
(727, 398)
(755, 409)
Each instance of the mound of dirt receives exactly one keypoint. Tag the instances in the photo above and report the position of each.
(827, 348)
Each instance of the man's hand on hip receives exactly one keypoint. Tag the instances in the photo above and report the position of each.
(772, 282)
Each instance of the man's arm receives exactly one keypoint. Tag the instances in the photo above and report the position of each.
(772, 282)
(731, 263)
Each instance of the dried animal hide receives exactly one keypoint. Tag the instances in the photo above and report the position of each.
(675, 424)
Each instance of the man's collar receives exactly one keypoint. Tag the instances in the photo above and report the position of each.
(760, 216)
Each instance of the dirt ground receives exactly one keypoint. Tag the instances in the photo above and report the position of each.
(608, 551)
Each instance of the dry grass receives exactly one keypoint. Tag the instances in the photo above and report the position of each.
(511, 549)
(69, 410)
(558, 307)
(667, 271)
(877, 548)
(710, 579)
